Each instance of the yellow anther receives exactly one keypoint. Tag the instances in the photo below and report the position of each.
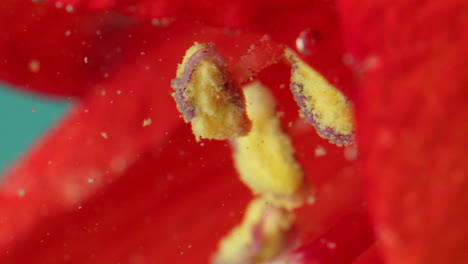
(265, 157)
(208, 97)
(321, 103)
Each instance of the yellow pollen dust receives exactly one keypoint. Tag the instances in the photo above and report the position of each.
(217, 116)
(329, 107)
(265, 157)
(263, 224)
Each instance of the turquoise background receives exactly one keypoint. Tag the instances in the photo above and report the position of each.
(24, 118)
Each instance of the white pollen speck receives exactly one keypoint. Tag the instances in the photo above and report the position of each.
(90, 180)
(85, 60)
(331, 245)
(86, 110)
(58, 5)
(67, 33)
(106, 75)
(320, 151)
(34, 65)
(311, 200)
(79, 207)
(49, 162)
(21, 192)
(104, 135)
(103, 92)
(351, 153)
(69, 8)
(147, 122)
(119, 92)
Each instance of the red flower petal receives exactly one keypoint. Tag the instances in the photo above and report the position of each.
(370, 256)
(102, 152)
(105, 132)
(46, 206)
(48, 50)
(284, 20)
(341, 245)
(167, 207)
(411, 117)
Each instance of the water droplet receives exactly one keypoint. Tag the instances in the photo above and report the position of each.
(307, 41)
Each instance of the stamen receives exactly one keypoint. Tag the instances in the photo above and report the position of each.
(207, 96)
(265, 157)
(321, 104)
(264, 233)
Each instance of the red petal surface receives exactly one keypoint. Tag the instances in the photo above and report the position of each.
(138, 194)
(285, 21)
(171, 206)
(411, 118)
(102, 135)
(370, 256)
(49, 50)
(342, 244)
(86, 192)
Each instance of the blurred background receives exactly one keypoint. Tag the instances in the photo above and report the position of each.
(24, 118)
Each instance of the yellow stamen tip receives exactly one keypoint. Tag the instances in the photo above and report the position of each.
(265, 157)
